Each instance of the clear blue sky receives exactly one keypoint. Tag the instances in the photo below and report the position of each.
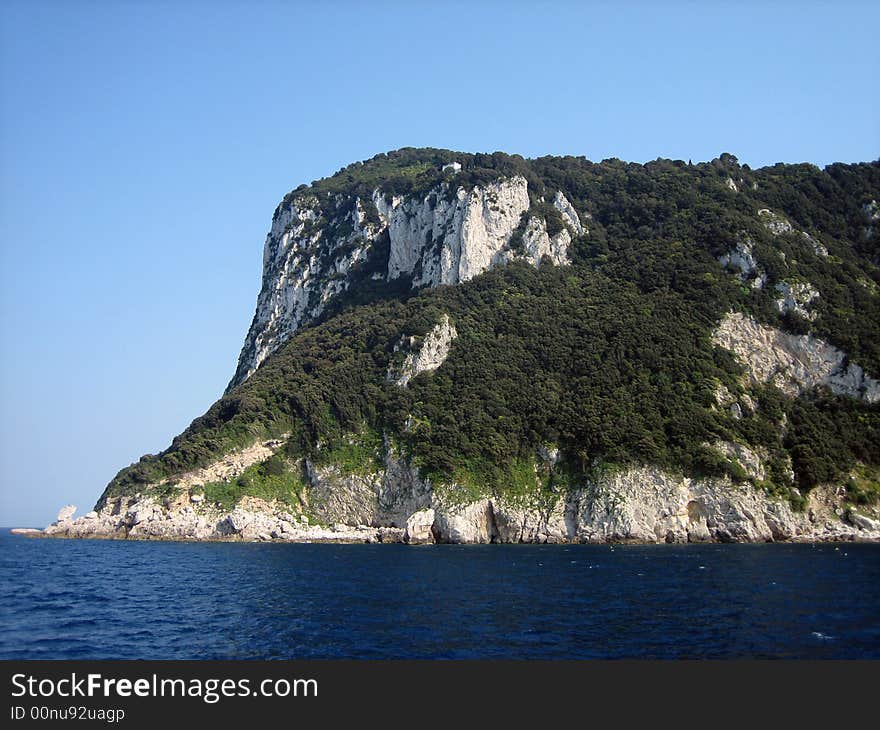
(144, 146)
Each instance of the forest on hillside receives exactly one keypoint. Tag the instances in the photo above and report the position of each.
(609, 358)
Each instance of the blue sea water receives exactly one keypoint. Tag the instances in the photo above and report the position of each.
(88, 599)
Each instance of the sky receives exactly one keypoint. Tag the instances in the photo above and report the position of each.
(145, 145)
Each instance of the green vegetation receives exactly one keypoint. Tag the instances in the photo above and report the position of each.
(167, 491)
(829, 436)
(610, 358)
(519, 480)
(353, 453)
(410, 171)
(863, 487)
(274, 479)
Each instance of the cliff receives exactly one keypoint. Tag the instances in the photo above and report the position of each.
(394, 504)
(447, 235)
(480, 348)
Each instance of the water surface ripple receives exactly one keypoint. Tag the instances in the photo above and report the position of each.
(85, 599)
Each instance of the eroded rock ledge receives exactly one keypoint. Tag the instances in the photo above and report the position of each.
(427, 357)
(643, 505)
(793, 363)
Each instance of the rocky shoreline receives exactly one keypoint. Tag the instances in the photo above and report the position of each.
(640, 505)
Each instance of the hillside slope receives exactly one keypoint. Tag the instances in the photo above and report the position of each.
(474, 348)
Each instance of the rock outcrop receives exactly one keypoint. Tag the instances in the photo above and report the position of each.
(65, 514)
(775, 223)
(736, 405)
(818, 248)
(232, 465)
(419, 528)
(639, 504)
(741, 260)
(473, 523)
(386, 497)
(793, 363)
(750, 462)
(253, 520)
(449, 235)
(569, 214)
(871, 213)
(426, 357)
(797, 298)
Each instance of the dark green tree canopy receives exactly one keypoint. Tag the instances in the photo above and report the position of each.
(610, 358)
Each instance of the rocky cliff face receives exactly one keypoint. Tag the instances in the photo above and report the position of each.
(303, 269)
(424, 357)
(316, 251)
(438, 402)
(395, 504)
(793, 363)
(741, 260)
(448, 240)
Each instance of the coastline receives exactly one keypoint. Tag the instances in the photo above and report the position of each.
(724, 513)
(345, 539)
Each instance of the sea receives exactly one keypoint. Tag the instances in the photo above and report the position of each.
(96, 599)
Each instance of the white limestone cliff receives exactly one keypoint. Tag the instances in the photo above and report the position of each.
(429, 356)
(537, 243)
(302, 271)
(741, 259)
(446, 236)
(569, 214)
(636, 504)
(793, 363)
(775, 223)
(797, 298)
